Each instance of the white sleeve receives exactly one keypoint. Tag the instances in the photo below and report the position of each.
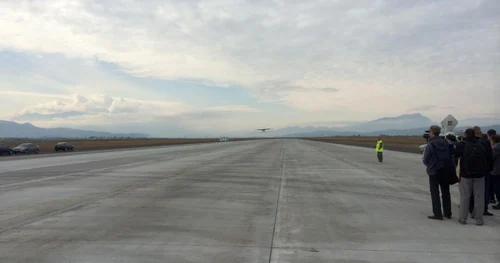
(423, 152)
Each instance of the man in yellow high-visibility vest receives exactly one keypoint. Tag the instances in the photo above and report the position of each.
(379, 148)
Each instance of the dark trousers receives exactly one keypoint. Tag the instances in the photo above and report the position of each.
(487, 190)
(380, 156)
(487, 183)
(495, 181)
(445, 196)
(492, 188)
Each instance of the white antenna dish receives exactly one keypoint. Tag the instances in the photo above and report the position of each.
(449, 123)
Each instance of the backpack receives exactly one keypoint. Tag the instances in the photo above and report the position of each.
(440, 157)
(446, 166)
(474, 161)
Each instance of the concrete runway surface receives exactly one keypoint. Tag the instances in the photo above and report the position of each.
(255, 201)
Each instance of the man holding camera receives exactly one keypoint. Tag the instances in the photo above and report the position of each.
(438, 160)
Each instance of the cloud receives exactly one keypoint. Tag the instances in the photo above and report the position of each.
(30, 94)
(124, 106)
(254, 42)
(100, 110)
(77, 103)
(96, 104)
(234, 108)
(316, 101)
(429, 108)
(30, 116)
(398, 45)
(293, 95)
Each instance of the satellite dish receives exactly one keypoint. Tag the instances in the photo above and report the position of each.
(449, 123)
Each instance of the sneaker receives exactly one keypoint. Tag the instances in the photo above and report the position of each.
(487, 213)
(496, 207)
(463, 222)
(435, 217)
(479, 223)
(447, 217)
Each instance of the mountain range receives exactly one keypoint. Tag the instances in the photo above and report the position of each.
(403, 125)
(10, 129)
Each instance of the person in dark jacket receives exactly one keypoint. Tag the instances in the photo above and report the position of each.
(437, 150)
(493, 191)
(470, 183)
(487, 177)
(495, 173)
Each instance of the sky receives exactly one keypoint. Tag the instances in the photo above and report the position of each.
(185, 67)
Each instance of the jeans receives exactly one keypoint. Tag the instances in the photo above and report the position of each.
(487, 182)
(434, 186)
(468, 187)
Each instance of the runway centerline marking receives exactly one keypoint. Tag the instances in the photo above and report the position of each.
(283, 167)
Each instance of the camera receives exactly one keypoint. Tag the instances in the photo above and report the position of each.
(451, 138)
(426, 135)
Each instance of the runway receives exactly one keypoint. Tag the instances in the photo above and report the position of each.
(249, 201)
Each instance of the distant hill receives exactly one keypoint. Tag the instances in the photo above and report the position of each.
(393, 132)
(10, 129)
(403, 125)
(402, 122)
(330, 133)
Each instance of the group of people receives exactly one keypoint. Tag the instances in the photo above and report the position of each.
(477, 159)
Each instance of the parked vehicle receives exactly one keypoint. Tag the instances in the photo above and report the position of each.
(26, 148)
(64, 146)
(5, 149)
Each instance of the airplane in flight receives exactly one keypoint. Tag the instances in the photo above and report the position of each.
(263, 129)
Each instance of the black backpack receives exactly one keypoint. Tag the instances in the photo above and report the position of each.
(474, 162)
